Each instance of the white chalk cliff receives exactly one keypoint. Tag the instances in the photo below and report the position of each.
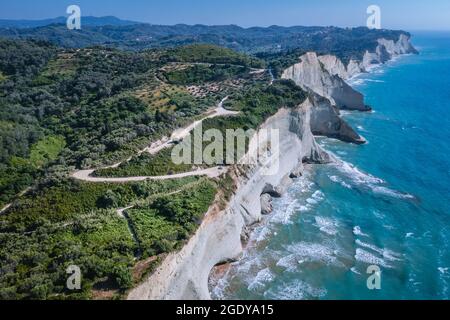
(326, 121)
(184, 274)
(386, 50)
(312, 74)
(326, 74)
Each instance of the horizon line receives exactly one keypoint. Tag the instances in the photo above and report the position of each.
(222, 25)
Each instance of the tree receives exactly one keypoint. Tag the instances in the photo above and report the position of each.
(122, 277)
(108, 200)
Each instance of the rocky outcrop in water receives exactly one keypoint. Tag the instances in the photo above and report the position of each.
(386, 50)
(184, 275)
(326, 121)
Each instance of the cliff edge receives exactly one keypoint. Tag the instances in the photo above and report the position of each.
(311, 74)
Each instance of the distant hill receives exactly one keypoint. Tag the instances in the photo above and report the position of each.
(110, 31)
(86, 21)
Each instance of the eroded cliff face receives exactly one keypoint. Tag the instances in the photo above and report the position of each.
(326, 74)
(386, 50)
(312, 74)
(184, 275)
(334, 66)
(326, 121)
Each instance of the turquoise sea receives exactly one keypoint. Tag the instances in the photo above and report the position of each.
(386, 203)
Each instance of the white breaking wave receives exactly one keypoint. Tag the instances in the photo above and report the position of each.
(355, 174)
(289, 204)
(327, 225)
(262, 234)
(295, 290)
(314, 252)
(262, 278)
(360, 178)
(219, 289)
(336, 179)
(356, 82)
(290, 263)
(385, 253)
(392, 193)
(354, 270)
(443, 270)
(357, 232)
(316, 197)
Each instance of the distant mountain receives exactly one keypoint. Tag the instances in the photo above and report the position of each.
(86, 21)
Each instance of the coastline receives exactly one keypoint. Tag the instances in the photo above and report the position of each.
(219, 240)
(217, 280)
(219, 272)
(184, 274)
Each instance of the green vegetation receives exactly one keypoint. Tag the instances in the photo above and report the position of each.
(206, 53)
(46, 150)
(275, 39)
(199, 73)
(76, 224)
(167, 99)
(258, 102)
(25, 58)
(70, 198)
(278, 62)
(34, 264)
(64, 65)
(163, 224)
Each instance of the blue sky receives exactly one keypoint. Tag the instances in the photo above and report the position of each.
(396, 14)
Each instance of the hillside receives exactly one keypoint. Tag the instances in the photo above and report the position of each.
(347, 43)
(105, 111)
(87, 21)
(62, 110)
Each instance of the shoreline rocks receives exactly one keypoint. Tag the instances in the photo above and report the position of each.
(266, 204)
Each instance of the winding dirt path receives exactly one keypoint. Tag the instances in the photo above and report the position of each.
(179, 134)
(85, 175)
(5, 208)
